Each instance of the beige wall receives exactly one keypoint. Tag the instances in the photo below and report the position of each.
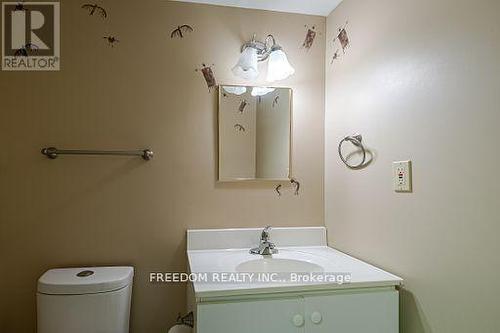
(421, 81)
(142, 93)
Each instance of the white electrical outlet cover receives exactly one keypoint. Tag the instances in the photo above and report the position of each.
(402, 176)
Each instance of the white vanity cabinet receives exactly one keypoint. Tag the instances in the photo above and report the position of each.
(370, 310)
(251, 316)
(366, 303)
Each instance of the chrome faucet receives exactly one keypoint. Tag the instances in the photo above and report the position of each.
(265, 248)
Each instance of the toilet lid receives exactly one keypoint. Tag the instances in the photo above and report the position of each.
(84, 280)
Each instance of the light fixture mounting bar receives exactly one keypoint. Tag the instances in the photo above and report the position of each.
(264, 48)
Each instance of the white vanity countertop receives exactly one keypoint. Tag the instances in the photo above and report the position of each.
(217, 251)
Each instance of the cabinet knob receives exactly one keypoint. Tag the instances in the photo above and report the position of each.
(298, 320)
(316, 317)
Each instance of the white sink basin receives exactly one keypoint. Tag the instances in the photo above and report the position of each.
(301, 250)
(266, 265)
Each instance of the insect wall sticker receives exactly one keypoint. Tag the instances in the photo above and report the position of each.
(310, 36)
(335, 56)
(277, 189)
(112, 40)
(342, 37)
(20, 6)
(341, 41)
(95, 8)
(296, 184)
(242, 106)
(181, 30)
(239, 127)
(26, 50)
(208, 75)
(276, 100)
(22, 52)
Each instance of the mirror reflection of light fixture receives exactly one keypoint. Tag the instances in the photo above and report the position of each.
(261, 91)
(235, 90)
(251, 52)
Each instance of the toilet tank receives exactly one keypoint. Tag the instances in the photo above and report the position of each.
(84, 300)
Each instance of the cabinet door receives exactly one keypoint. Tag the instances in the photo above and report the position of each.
(264, 316)
(361, 312)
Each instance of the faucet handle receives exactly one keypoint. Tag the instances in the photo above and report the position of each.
(265, 233)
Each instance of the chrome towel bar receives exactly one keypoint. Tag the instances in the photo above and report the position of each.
(52, 152)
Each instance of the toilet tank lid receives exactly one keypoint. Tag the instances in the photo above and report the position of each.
(84, 280)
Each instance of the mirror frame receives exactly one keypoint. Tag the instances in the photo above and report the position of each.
(290, 146)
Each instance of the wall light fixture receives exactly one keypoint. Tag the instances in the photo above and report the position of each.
(252, 52)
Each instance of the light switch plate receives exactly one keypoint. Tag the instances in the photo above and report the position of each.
(402, 176)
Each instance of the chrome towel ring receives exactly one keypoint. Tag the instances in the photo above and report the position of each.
(356, 140)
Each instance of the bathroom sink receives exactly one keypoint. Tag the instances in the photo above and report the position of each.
(303, 258)
(265, 265)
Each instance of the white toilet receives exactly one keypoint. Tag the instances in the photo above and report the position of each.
(85, 300)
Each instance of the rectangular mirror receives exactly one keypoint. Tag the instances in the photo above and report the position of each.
(254, 133)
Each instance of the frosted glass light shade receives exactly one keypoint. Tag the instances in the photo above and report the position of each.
(261, 91)
(278, 68)
(246, 68)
